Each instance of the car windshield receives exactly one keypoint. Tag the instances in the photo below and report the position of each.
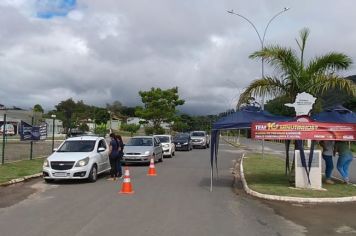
(179, 136)
(77, 146)
(198, 134)
(163, 139)
(140, 142)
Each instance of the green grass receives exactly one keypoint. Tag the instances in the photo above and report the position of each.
(267, 176)
(353, 147)
(20, 169)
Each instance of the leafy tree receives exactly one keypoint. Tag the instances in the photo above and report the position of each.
(38, 108)
(101, 116)
(101, 129)
(159, 106)
(180, 126)
(116, 107)
(66, 108)
(132, 128)
(336, 96)
(150, 130)
(296, 76)
(276, 106)
(83, 127)
(128, 111)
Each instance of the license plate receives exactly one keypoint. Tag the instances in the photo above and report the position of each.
(60, 174)
(178, 145)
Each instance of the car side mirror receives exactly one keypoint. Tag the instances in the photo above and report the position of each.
(101, 149)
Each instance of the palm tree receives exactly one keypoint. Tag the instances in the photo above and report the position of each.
(294, 76)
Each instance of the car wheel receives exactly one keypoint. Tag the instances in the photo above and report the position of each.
(161, 159)
(173, 154)
(93, 175)
(48, 181)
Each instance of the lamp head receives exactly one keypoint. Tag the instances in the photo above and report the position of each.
(286, 8)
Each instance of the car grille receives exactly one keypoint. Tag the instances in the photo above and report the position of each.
(133, 153)
(62, 165)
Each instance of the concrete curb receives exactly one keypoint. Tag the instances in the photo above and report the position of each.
(289, 199)
(19, 180)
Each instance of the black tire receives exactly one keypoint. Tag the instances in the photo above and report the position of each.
(173, 154)
(93, 175)
(161, 159)
(49, 181)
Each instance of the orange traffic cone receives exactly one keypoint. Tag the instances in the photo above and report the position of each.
(152, 169)
(126, 185)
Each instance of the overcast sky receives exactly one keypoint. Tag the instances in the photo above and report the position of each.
(100, 51)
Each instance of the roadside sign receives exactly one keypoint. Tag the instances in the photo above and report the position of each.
(32, 133)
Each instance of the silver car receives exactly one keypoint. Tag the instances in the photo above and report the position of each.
(200, 139)
(140, 149)
(78, 158)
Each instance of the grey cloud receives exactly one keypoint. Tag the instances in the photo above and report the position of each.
(116, 48)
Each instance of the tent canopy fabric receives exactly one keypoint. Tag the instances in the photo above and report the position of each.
(244, 119)
(335, 117)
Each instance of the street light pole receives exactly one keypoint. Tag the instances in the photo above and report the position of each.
(110, 131)
(261, 39)
(53, 127)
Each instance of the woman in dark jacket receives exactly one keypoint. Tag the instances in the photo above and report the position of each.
(114, 148)
(121, 154)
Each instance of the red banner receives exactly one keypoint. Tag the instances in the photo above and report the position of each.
(303, 130)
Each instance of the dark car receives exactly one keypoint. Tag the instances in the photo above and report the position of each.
(182, 141)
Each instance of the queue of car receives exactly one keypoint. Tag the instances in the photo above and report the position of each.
(85, 157)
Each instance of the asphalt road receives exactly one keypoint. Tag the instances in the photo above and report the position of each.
(176, 202)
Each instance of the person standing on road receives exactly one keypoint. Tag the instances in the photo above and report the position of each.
(328, 151)
(344, 161)
(121, 154)
(113, 156)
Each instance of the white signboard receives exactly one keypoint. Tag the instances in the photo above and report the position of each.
(301, 178)
(303, 103)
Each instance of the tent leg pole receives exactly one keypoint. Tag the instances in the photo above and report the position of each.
(211, 179)
(263, 148)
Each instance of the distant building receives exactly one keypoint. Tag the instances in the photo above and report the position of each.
(134, 120)
(58, 127)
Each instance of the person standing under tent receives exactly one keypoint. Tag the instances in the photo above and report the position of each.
(328, 152)
(344, 161)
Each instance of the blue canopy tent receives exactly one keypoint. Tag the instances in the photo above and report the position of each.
(238, 120)
(244, 118)
(336, 114)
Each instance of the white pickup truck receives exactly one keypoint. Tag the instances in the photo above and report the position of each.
(200, 139)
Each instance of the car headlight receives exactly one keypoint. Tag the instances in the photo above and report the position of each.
(185, 143)
(45, 163)
(147, 153)
(82, 162)
(166, 145)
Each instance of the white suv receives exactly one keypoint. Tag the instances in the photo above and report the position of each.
(200, 139)
(78, 158)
